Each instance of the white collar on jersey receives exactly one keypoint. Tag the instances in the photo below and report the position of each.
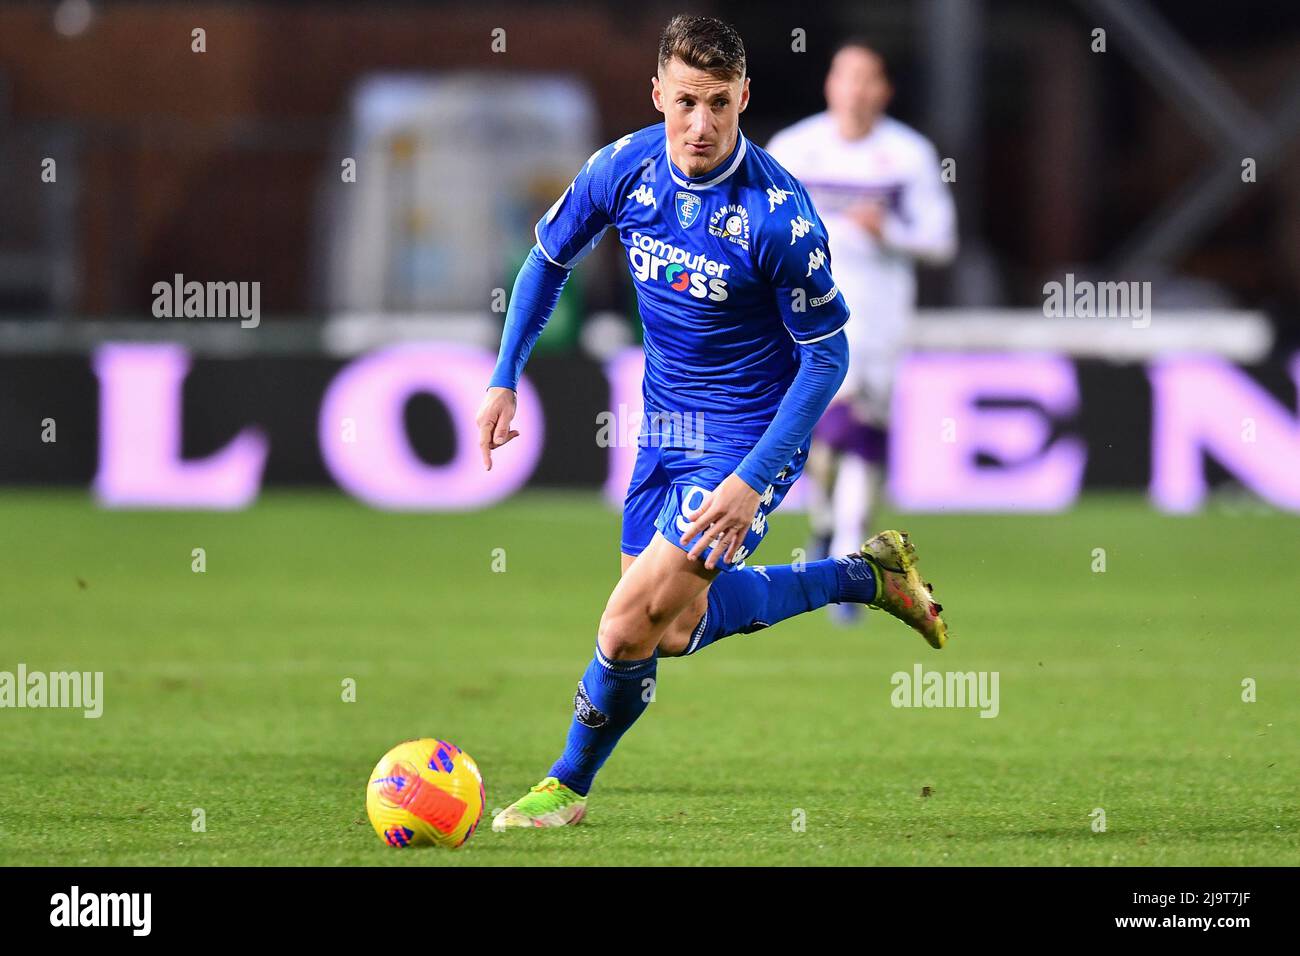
(731, 167)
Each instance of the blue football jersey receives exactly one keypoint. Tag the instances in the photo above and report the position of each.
(732, 271)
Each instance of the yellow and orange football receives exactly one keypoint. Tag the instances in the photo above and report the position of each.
(425, 793)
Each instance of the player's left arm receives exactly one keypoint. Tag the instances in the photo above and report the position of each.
(814, 314)
(926, 228)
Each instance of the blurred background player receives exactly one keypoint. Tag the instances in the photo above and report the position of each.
(876, 183)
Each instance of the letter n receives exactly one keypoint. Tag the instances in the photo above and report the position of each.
(1199, 404)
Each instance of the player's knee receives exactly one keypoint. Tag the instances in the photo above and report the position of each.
(674, 642)
(625, 634)
(633, 629)
(677, 638)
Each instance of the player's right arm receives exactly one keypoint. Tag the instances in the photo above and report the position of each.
(533, 299)
(569, 230)
(926, 229)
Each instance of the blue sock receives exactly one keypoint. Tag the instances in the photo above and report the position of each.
(749, 599)
(611, 696)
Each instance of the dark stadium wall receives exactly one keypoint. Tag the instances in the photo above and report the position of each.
(205, 163)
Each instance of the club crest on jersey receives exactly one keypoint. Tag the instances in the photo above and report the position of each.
(688, 208)
(731, 222)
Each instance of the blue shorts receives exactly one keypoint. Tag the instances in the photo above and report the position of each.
(669, 482)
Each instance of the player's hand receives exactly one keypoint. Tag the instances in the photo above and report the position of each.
(493, 421)
(723, 519)
(870, 215)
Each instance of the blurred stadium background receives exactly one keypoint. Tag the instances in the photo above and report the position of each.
(229, 165)
(309, 148)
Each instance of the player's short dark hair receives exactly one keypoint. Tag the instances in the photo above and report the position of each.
(705, 43)
(859, 42)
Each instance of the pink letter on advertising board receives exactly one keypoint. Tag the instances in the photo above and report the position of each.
(938, 430)
(364, 443)
(623, 372)
(140, 464)
(1206, 405)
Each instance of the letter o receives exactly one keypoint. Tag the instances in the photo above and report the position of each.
(380, 467)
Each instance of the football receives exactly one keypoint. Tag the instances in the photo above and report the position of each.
(425, 792)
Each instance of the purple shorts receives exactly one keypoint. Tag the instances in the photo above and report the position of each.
(841, 430)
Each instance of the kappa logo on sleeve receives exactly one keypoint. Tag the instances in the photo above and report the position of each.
(816, 259)
(623, 140)
(799, 227)
(644, 195)
(776, 196)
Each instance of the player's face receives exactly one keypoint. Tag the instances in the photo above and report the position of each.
(701, 114)
(856, 86)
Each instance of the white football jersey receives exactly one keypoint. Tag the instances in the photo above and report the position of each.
(898, 167)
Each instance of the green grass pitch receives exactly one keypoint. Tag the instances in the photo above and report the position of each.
(1119, 690)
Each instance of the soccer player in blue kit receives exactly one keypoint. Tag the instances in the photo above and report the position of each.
(743, 333)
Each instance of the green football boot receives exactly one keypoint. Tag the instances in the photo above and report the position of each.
(549, 804)
(899, 588)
